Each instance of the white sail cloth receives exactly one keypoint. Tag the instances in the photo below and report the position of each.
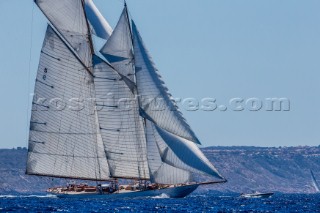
(179, 152)
(69, 18)
(64, 139)
(101, 27)
(160, 171)
(156, 102)
(118, 49)
(121, 126)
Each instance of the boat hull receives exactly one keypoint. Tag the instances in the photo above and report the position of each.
(260, 195)
(174, 192)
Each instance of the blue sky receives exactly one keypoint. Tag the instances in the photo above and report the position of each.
(203, 48)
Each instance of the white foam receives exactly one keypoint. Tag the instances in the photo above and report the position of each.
(28, 196)
(162, 196)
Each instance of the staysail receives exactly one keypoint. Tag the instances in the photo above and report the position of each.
(118, 49)
(121, 126)
(160, 170)
(157, 103)
(179, 152)
(69, 18)
(64, 139)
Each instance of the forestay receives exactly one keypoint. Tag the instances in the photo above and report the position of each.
(118, 49)
(180, 153)
(156, 102)
(64, 138)
(69, 18)
(121, 126)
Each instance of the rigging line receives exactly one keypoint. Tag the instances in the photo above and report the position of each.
(29, 74)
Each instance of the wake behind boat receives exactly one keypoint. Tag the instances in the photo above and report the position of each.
(107, 117)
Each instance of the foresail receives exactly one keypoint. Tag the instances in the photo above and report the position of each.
(160, 171)
(101, 27)
(118, 49)
(69, 18)
(121, 126)
(156, 102)
(181, 153)
(64, 138)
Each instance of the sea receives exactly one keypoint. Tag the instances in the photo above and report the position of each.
(196, 202)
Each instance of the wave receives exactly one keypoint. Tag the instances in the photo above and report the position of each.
(162, 196)
(28, 196)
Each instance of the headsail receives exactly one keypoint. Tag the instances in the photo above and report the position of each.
(69, 18)
(100, 26)
(118, 49)
(121, 126)
(157, 103)
(179, 152)
(64, 139)
(160, 171)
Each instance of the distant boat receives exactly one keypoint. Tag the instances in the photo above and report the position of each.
(257, 195)
(314, 182)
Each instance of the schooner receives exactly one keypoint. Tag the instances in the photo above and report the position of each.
(119, 120)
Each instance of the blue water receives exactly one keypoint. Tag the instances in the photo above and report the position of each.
(208, 202)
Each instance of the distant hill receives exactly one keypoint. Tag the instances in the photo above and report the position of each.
(284, 169)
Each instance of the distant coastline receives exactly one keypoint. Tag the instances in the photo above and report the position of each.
(278, 169)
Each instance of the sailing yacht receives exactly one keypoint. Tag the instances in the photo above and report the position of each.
(314, 182)
(107, 116)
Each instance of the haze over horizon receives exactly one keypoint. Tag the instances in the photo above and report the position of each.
(213, 49)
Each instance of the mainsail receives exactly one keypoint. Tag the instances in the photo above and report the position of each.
(64, 139)
(157, 103)
(121, 126)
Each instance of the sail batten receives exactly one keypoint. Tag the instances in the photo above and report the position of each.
(156, 102)
(68, 140)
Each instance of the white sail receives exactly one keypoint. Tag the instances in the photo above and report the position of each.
(64, 140)
(160, 171)
(118, 49)
(156, 102)
(121, 126)
(69, 18)
(314, 182)
(180, 153)
(101, 27)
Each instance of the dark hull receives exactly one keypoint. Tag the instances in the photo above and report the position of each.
(174, 192)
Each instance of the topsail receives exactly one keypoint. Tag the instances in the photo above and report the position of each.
(69, 18)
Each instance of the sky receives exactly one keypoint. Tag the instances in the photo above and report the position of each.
(223, 50)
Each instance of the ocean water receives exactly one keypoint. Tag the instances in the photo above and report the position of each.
(208, 202)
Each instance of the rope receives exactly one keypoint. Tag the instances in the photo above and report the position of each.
(29, 74)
